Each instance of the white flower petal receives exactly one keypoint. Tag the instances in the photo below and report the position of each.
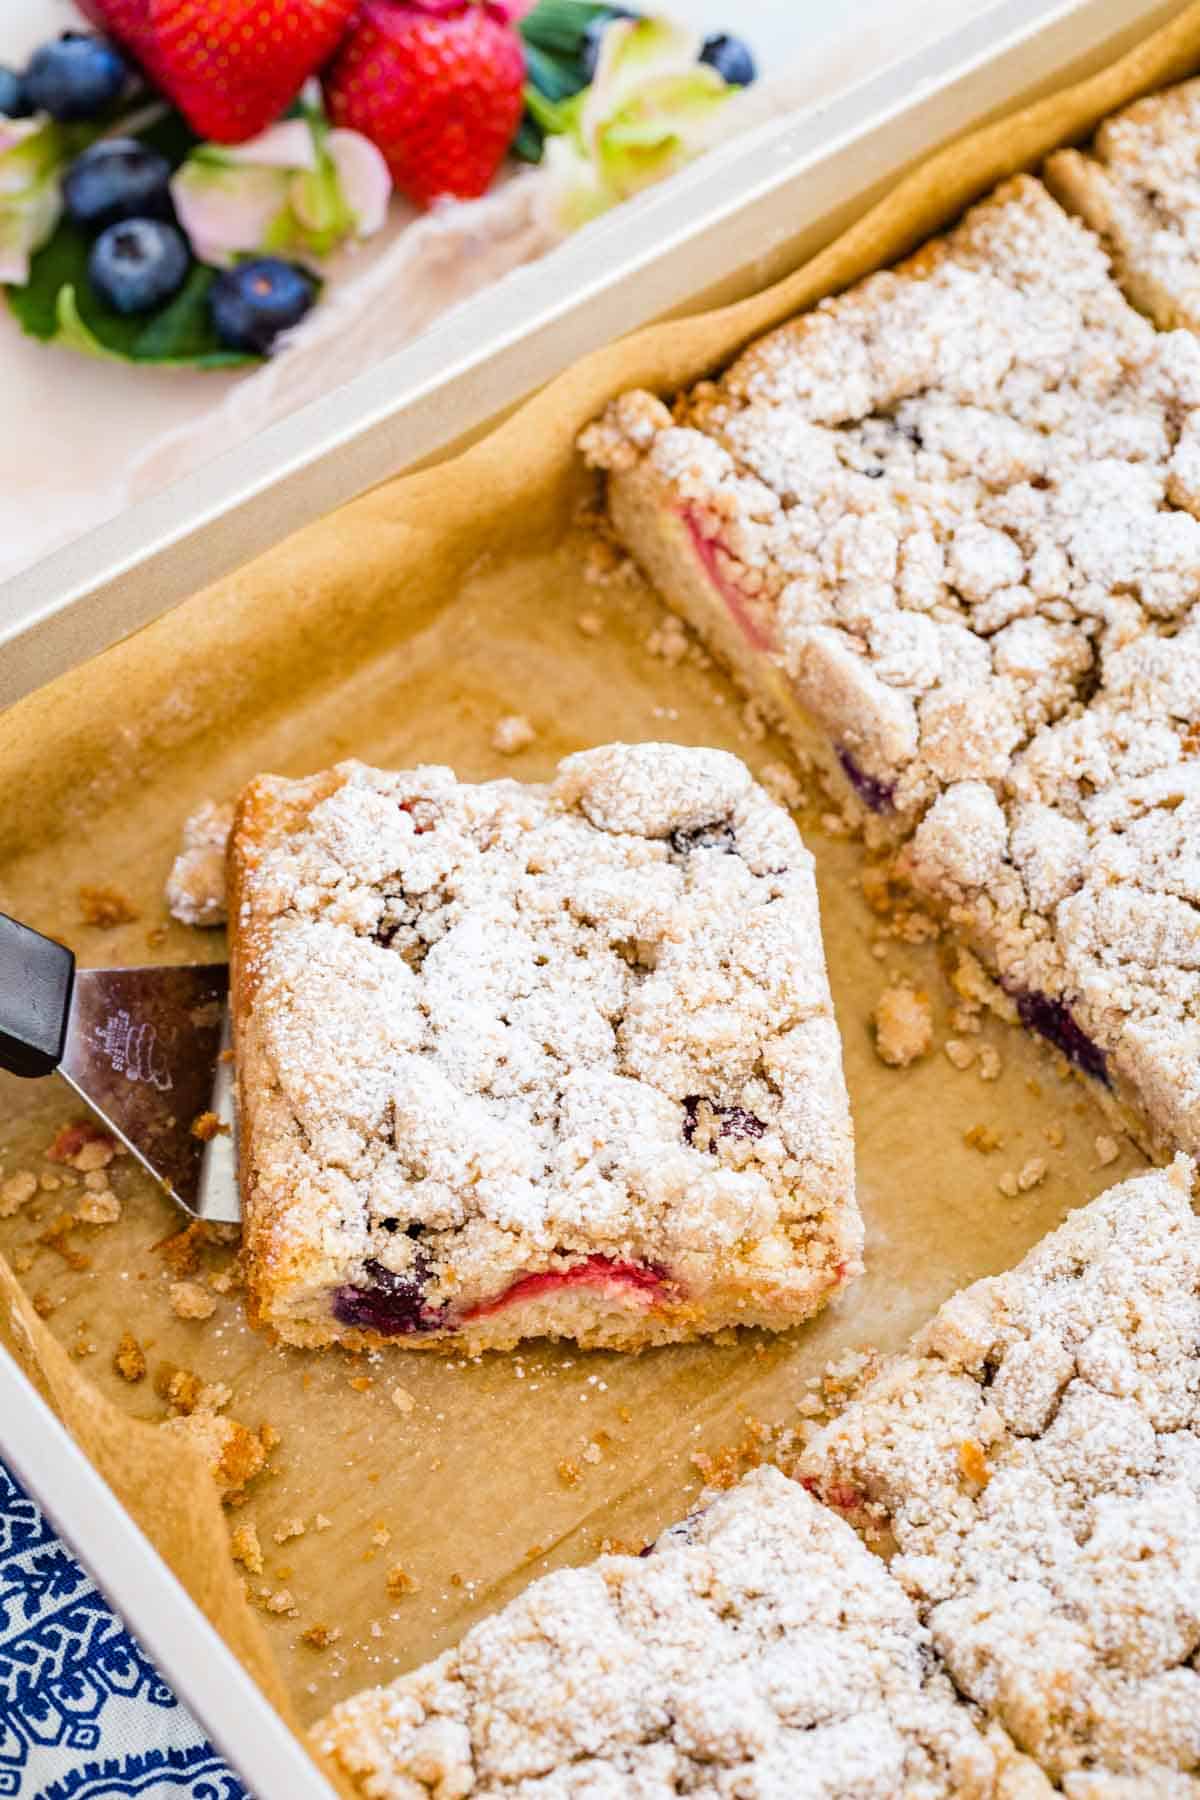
(365, 181)
(225, 211)
(288, 145)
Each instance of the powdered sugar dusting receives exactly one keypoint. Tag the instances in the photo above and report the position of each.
(760, 1650)
(1036, 1462)
(471, 1021)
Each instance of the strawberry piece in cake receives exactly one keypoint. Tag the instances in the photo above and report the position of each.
(535, 1060)
(1139, 187)
(1034, 1463)
(758, 1650)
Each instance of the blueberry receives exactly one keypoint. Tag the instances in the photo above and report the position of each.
(391, 1304)
(14, 102)
(138, 265)
(75, 77)
(589, 54)
(878, 795)
(1052, 1020)
(252, 304)
(117, 179)
(718, 836)
(735, 1121)
(730, 57)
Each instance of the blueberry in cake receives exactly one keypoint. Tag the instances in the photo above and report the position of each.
(1034, 1467)
(758, 1650)
(943, 528)
(535, 1060)
(1140, 189)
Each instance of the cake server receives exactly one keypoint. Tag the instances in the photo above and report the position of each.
(147, 1049)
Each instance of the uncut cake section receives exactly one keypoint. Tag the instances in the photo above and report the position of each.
(929, 525)
(757, 1650)
(1033, 1469)
(1138, 186)
(535, 1060)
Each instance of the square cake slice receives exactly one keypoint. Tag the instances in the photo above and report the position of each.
(1034, 1465)
(759, 1651)
(550, 1060)
(1139, 188)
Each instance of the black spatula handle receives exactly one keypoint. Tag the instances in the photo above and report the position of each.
(36, 979)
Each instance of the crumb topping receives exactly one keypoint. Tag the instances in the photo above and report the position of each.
(1057, 1564)
(196, 884)
(759, 1649)
(484, 1018)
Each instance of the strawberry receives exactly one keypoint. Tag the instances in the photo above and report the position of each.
(437, 86)
(232, 66)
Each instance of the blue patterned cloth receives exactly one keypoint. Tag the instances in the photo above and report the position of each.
(83, 1714)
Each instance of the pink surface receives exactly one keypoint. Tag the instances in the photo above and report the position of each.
(594, 1271)
(706, 550)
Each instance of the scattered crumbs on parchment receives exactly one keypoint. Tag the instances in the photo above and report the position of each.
(402, 1400)
(1107, 1150)
(288, 1529)
(106, 907)
(960, 1054)
(320, 1636)
(1031, 1173)
(903, 1024)
(400, 1582)
(668, 640)
(1007, 1183)
(191, 1301)
(281, 1602)
(782, 785)
(98, 1206)
(589, 624)
(1055, 1134)
(512, 734)
(989, 1063)
(56, 1237)
(568, 1472)
(381, 1537)
(322, 1523)
(129, 1359)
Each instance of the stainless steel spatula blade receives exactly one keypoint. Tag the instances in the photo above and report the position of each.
(148, 1049)
(143, 1049)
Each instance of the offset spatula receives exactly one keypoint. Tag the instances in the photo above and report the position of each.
(148, 1049)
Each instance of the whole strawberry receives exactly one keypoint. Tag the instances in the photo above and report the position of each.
(232, 66)
(437, 87)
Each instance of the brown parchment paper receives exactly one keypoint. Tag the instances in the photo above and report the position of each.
(400, 630)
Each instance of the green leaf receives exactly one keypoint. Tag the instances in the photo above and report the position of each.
(58, 305)
(557, 27)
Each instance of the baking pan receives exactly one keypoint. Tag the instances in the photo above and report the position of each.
(722, 229)
(398, 632)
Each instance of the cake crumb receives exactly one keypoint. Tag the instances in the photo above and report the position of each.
(1055, 1135)
(960, 1054)
(400, 1582)
(512, 734)
(381, 1537)
(782, 785)
(973, 1463)
(1031, 1173)
(320, 1636)
(232, 1452)
(402, 1400)
(82, 1145)
(56, 1237)
(1107, 1150)
(1008, 1184)
(989, 1063)
(190, 1301)
(269, 1438)
(983, 1138)
(589, 624)
(903, 1021)
(106, 907)
(98, 1207)
(206, 1126)
(669, 640)
(17, 1191)
(129, 1359)
(281, 1602)
(246, 1548)
(288, 1529)
(592, 1454)
(322, 1523)
(48, 1183)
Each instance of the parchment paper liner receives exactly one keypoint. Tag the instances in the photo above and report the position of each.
(399, 630)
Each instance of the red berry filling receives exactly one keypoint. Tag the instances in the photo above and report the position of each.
(706, 549)
(391, 1304)
(642, 1279)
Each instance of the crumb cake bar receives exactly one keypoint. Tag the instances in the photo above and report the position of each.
(1140, 189)
(519, 1060)
(943, 529)
(757, 1650)
(1034, 1468)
